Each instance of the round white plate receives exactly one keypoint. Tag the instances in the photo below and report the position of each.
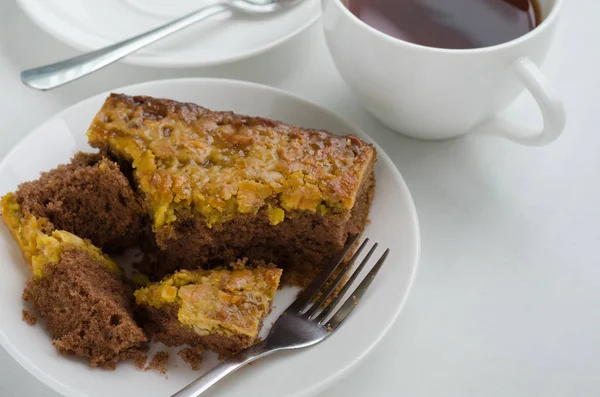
(300, 373)
(91, 24)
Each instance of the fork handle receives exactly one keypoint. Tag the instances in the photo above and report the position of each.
(57, 74)
(225, 368)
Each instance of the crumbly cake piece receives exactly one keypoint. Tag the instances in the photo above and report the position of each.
(140, 361)
(77, 290)
(220, 186)
(40, 242)
(159, 362)
(87, 309)
(89, 197)
(29, 317)
(192, 356)
(220, 309)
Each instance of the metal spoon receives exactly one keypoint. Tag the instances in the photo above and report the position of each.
(57, 74)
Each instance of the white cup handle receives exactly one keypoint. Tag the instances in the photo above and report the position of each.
(553, 109)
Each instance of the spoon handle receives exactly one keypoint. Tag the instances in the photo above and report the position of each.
(57, 74)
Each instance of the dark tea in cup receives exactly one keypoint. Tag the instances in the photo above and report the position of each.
(453, 24)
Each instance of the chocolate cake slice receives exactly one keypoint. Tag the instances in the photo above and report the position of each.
(221, 309)
(220, 186)
(77, 290)
(90, 197)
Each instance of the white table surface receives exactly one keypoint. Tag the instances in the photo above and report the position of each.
(507, 299)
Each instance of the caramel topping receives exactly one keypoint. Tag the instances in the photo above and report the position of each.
(217, 301)
(221, 164)
(39, 248)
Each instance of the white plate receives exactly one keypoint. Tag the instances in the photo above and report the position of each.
(91, 24)
(300, 373)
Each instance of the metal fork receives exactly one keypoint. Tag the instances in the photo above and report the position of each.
(306, 322)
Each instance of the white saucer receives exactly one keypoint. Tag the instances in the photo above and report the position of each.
(303, 373)
(92, 24)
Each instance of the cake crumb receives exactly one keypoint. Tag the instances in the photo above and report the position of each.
(192, 356)
(329, 329)
(356, 300)
(239, 264)
(140, 361)
(29, 317)
(159, 362)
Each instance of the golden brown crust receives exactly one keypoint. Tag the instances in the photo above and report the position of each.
(220, 301)
(222, 164)
(40, 243)
(221, 310)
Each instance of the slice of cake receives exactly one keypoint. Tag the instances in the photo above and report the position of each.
(78, 291)
(221, 310)
(220, 186)
(90, 198)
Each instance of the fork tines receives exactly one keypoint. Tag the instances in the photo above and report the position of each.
(319, 310)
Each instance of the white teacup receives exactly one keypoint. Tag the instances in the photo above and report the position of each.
(435, 93)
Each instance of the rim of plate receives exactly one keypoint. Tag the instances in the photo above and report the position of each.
(154, 61)
(337, 374)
